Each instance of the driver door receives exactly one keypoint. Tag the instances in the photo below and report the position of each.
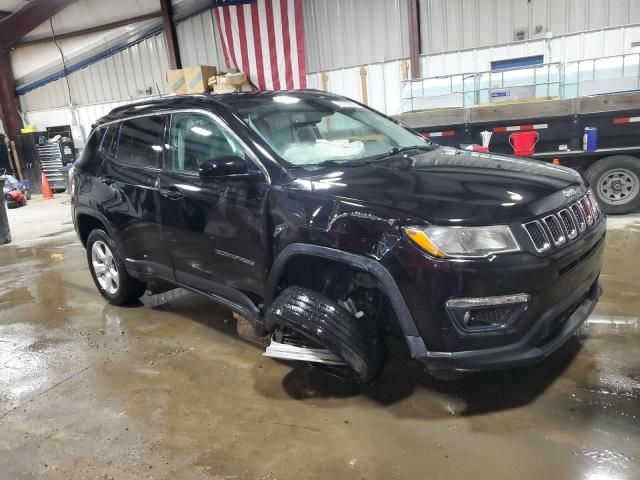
(213, 227)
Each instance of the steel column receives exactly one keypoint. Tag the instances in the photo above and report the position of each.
(170, 32)
(414, 38)
(8, 105)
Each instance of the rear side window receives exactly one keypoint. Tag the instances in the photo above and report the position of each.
(140, 142)
(89, 161)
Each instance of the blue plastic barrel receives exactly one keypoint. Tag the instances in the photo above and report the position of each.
(590, 139)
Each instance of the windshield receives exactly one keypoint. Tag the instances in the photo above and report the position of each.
(312, 131)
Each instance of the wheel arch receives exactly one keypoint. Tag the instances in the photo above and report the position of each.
(385, 282)
(87, 220)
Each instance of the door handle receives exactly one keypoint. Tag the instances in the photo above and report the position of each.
(172, 193)
(107, 180)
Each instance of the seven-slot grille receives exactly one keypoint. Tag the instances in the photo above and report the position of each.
(564, 225)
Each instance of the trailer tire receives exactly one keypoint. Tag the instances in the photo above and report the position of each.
(615, 182)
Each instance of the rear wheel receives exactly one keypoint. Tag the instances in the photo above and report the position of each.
(616, 183)
(108, 270)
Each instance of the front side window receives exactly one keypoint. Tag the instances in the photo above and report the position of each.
(308, 131)
(196, 138)
(140, 142)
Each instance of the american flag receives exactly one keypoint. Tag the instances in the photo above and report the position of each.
(264, 39)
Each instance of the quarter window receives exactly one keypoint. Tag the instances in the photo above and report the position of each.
(196, 138)
(107, 146)
(141, 142)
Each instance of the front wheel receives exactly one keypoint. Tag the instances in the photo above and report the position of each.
(322, 323)
(108, 270)
(616, 183)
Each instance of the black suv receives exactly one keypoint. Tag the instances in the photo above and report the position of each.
(331, 227)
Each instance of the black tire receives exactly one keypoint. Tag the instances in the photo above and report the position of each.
(27, 194)
(610, 173)
(127, 288)
(9, 201)
(23, 202)
(324, 322)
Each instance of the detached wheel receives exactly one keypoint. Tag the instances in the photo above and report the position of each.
(322, 322)
(108, 270)
(616, 183)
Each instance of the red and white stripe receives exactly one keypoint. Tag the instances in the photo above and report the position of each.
(444, 133)
(521, 128)
(626, 119)
(265, 40)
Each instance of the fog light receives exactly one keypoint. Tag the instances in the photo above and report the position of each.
(487, 313)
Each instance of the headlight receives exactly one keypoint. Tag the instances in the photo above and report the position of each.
(463, 241)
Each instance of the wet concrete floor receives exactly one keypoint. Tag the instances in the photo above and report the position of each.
(88, 390)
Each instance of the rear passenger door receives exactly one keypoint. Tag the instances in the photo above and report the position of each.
(130, 170)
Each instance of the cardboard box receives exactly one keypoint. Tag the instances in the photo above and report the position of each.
(197, 78)
(176, 82)
(236, 78)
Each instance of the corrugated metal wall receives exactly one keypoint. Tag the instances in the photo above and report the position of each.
(136, 72)
(342, 33)
(193, 34)
(563, 48)
(448, 25)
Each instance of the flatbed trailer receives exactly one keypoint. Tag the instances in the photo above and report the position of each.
(613, 170)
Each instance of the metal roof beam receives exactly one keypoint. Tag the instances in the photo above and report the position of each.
(34, 13)
(86, 31)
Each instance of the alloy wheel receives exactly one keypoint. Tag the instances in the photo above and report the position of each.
(104, 267)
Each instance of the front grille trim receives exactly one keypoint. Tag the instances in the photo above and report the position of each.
(555, 229)
(546, 244)
(564, 226)
(570, 225)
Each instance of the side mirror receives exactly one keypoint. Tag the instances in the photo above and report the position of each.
(222, 166)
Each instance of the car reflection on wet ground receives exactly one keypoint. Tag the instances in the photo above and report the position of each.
(168, 390)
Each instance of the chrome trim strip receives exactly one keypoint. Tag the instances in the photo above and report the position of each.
(471, 302)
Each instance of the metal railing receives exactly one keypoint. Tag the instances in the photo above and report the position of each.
(555, 80)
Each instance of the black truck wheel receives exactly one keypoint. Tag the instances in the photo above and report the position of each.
(323, 322)
(615, 181)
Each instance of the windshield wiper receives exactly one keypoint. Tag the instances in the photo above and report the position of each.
(396, 150)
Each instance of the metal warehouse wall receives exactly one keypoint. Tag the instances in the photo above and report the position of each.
(343, 33)
(198, 41)
(136, 72)
(448, 25)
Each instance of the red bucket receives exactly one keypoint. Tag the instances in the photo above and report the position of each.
(524, 143)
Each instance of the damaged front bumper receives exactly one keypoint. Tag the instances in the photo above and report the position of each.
(548, 334)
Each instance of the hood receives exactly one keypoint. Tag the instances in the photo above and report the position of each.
(451, 186)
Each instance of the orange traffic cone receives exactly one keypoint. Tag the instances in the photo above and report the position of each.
(46, 189)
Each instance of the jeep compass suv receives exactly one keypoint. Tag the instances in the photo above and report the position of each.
(331, 227)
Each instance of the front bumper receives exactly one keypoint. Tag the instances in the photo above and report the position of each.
(548, 334)
(563, 289)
